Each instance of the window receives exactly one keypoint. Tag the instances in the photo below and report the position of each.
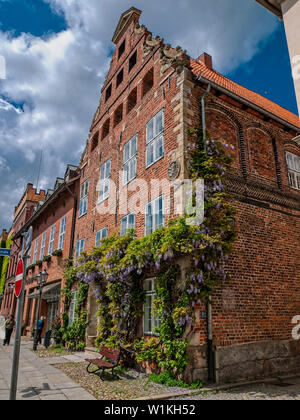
(122, 49)
(148, 81)
(105, 128)
(150, 321)
(51, 240)
(118, 116)
(132, 61)
(132, 100)
(42, 252)
(80, 247)
(128, 222)
(293, 163)
(130, 162)
(72, 307)
(154, 215)
(108, 93)
(120, 77)
(104, 181)
(84, 196)
(155, 139)
(94, 142)
(35, 252)
(100, 235)
(62, 233)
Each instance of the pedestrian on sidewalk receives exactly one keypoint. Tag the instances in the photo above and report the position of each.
(40, 327)
(9, 327)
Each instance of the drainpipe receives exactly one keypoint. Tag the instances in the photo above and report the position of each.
(210, 350)
(73, 222)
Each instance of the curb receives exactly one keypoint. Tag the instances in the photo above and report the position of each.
(216, 388)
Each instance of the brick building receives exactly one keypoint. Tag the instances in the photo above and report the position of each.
(52, 221)
(23, 212)
(151, 96)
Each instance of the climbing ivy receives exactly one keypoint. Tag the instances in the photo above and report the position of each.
(118, 267)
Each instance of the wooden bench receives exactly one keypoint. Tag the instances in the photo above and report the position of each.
(113, 358)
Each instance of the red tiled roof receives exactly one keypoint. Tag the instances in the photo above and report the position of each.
(199, 69)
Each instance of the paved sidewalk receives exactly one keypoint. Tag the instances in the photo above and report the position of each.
(38, 379)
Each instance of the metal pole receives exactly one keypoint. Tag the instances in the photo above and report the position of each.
(35, 341)
(17, 344)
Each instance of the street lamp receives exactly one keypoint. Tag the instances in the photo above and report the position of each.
(41, 281)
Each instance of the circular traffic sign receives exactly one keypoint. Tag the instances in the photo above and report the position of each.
(19, 278)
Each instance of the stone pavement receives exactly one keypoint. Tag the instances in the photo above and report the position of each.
(38, 379)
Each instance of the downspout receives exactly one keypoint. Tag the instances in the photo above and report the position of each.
(210, 351)
(73, 222)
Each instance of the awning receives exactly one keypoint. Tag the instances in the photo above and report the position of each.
(50, 292)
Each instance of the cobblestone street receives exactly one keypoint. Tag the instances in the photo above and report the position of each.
(38, 380)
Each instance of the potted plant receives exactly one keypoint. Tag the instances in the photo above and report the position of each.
(57, 253)
(47, 258)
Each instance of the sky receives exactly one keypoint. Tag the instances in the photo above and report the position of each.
(57, 54)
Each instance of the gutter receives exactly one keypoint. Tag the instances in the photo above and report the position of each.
(249, 104)
(297, 140)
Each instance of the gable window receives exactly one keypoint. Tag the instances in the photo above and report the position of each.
(130, 160)
(120, 77)
(105, 128)
(94, 142)
(155, 139)
(148, 81)
(104, 185)
(80, 247)
(35, 251)
(132, 100)
(62, 233)
(122, 49)
(84, 197)
(72, 307)
(128, 222)
(43, 245)
(118, 116)
(154, 215)
(51, 240)
(108, 93)
(151, 322)
(132, 61)
(100, 235)
(293, 163)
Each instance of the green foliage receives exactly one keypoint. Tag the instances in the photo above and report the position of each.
(56, 331)
(47, 258)
(119, 266)
(168, 380)
(57, 253)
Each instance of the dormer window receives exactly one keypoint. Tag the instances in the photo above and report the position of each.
(122, 49)
(293, 163)
(120, 77)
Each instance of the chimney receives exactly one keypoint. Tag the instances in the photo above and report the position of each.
(206, 59)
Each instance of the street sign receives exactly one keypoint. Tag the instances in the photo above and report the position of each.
(19, 278)
(27, 239)
(4, 252)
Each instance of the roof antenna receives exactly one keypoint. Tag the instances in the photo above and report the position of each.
(39, 171)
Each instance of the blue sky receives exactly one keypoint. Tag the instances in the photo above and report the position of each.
(57, 54)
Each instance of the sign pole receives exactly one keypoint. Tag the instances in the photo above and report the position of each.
(18, 330)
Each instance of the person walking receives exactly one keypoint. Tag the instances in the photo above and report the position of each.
(40, 327)
(9, 327)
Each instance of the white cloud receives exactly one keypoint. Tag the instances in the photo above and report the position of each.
(53, 82)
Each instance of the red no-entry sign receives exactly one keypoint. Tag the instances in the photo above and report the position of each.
(19, 278)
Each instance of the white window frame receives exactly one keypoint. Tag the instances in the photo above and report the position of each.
(293, 164)
(35, 252)
(155, 138)
(100, 235)
(130, 160)
(51, 239)
(43, 245)
(80, 245)
(104, 183)
(62, 233)
(155, 204)
(84, 198)
(148, 317)
(125, 219)
(73, 307)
